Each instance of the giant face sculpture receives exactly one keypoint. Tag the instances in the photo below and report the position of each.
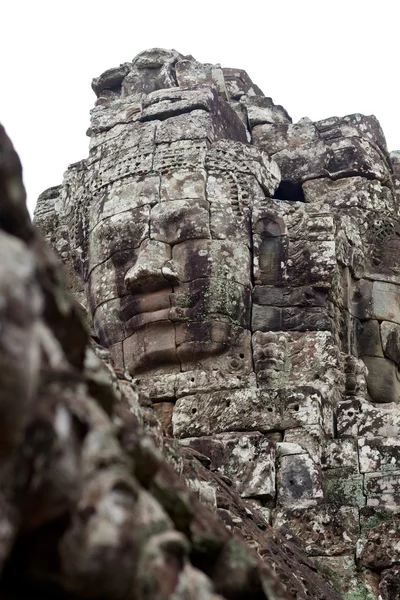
(258, 310)
(167, 248)
(184, 252)
(179, 284)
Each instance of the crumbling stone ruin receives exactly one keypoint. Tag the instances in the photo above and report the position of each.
(241, 279)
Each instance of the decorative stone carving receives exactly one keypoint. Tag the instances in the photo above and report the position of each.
(89, 507)
(244, 270)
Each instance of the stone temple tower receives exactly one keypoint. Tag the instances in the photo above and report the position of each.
(244, 272)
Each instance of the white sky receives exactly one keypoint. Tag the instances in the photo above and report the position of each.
(316, 58)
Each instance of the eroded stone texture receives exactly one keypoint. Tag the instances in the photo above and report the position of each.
(89, 505)
(244, 271)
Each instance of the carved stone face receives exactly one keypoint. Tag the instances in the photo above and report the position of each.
(182, 291)
(168, 260)
(187, 256)
(253, 306)
(169, 256)
(190, 253)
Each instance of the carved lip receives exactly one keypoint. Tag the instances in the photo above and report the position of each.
(151, 304)
(146, 318)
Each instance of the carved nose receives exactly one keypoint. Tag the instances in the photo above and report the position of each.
(153, 269)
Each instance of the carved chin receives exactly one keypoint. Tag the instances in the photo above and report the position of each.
(152, 348)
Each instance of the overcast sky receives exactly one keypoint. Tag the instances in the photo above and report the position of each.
(316, 58)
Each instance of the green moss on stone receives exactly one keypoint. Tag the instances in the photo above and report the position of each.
(239, 554)
(345, 491)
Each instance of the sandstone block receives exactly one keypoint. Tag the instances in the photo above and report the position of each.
(272, 318)
(299, 482)
(307, 296)
(211, 299)
(107, 280)
(127, 195)
(369, 339)
(201, 381)
(192, 73)
(379, 421)
(390, 333)
(247, 410)
(183, 184)
(238, 83)
(152, 347)
(383, 379)
(123, 231)
(371, 516)
(382, 489)
(379, 454)
(107, 323)
(340, 453)
(347, 417)
(222, 259)
(106, 117)
(229, 219)
(309, 438)
(183, 154)
(351, 192)
(230, 410)
(379, 549)
(194, 125)
(262, 110)
(273, 139)
(213, 345)
(324, 530)
(248, 459)
(228, 156)
(343, 487)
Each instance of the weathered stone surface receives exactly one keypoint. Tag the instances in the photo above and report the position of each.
(344, 488)
(278, 356)
(262, 110)
(349, 193)
(390, 333)
(340, 453)
(249, 410)
(380, 547)
(81, 480)
(244, 271)
(382, 420)
(378, 454)
(248, 460)
(389, 586)
(310, 439)
(383, 380)
(325, 530)
(383, 488)
(353, 145)
(350, 581)
(299, 481)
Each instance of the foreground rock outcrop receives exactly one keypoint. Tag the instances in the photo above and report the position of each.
(243, 273)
